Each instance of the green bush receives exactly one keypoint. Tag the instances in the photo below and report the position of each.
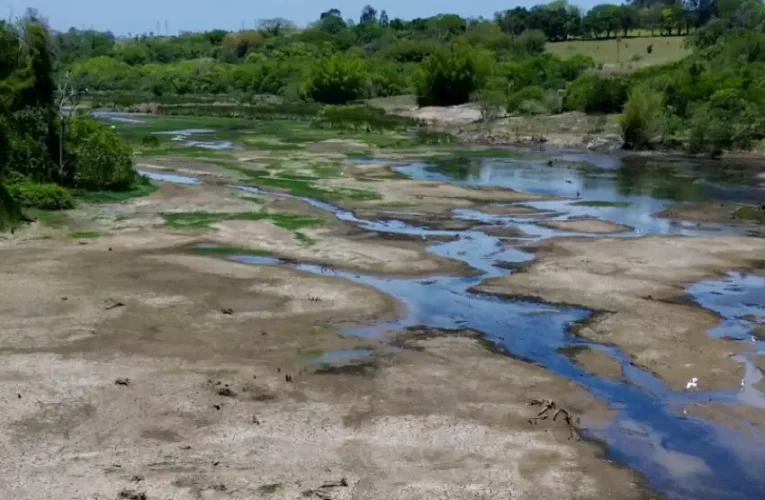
(104, 161)
(450, 76)
(640, 118)
(44, 196)
(595, 94)
(337, 80)
(528, 100)
(531, 42)
(10, 215)
(361, 117)
(150, 141)
(727, 121)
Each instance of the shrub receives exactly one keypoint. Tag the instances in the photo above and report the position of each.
(103, 160)
(727, 121)
(10, 215)
(595, 94)
(531, 42)
(337, 80)
(640, 117)
(44, 196)
(366, 117)
(150, 141)
(490, 102)
(649, 49)
(450, 76)
(528, 100)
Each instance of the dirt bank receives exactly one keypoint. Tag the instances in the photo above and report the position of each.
(639, 285)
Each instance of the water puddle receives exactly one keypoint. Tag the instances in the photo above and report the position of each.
(115, 117)
(260, 260)
(740, 300)
(172, 178)
(186, 136)
(607, 189)
(342, 356)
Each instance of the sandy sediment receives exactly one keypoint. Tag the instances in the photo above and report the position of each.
(638, 286)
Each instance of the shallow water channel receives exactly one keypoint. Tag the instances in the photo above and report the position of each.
(680, 455)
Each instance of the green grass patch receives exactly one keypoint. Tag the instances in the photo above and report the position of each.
(270, 488)
(327, 170)
(82, 235)
(622, 55)
(232, 251)
(200, 220)
(307, 355)
(602, 203)
(304, 239)
(751, 213)
(301, 186)
(142, 188)
(264, 143)
(48, 218)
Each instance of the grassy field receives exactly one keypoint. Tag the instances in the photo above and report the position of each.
(628, 55)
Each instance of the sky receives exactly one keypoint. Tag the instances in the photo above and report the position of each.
(141, 16)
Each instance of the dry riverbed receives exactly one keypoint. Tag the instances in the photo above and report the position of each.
(133, 364)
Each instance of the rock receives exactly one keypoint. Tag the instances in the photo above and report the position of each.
(132, 495)
(609, 142)
(226, 391)
(122, 381)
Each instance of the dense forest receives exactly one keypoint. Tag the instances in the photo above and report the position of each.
(710, 101)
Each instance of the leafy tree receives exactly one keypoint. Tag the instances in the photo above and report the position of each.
(595, 94)
(332, 24)
(331, 13)
(628, 18)
(450, 76)
(368, 15)
(491, 100)
(337, 79)
(640, 117)
(104, 161)
(531, 42)
(514, 21)
(528, 100)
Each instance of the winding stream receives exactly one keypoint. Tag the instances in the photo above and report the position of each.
(681, 456)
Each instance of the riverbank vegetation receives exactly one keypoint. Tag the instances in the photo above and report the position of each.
(707, 99)
(46, 148)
